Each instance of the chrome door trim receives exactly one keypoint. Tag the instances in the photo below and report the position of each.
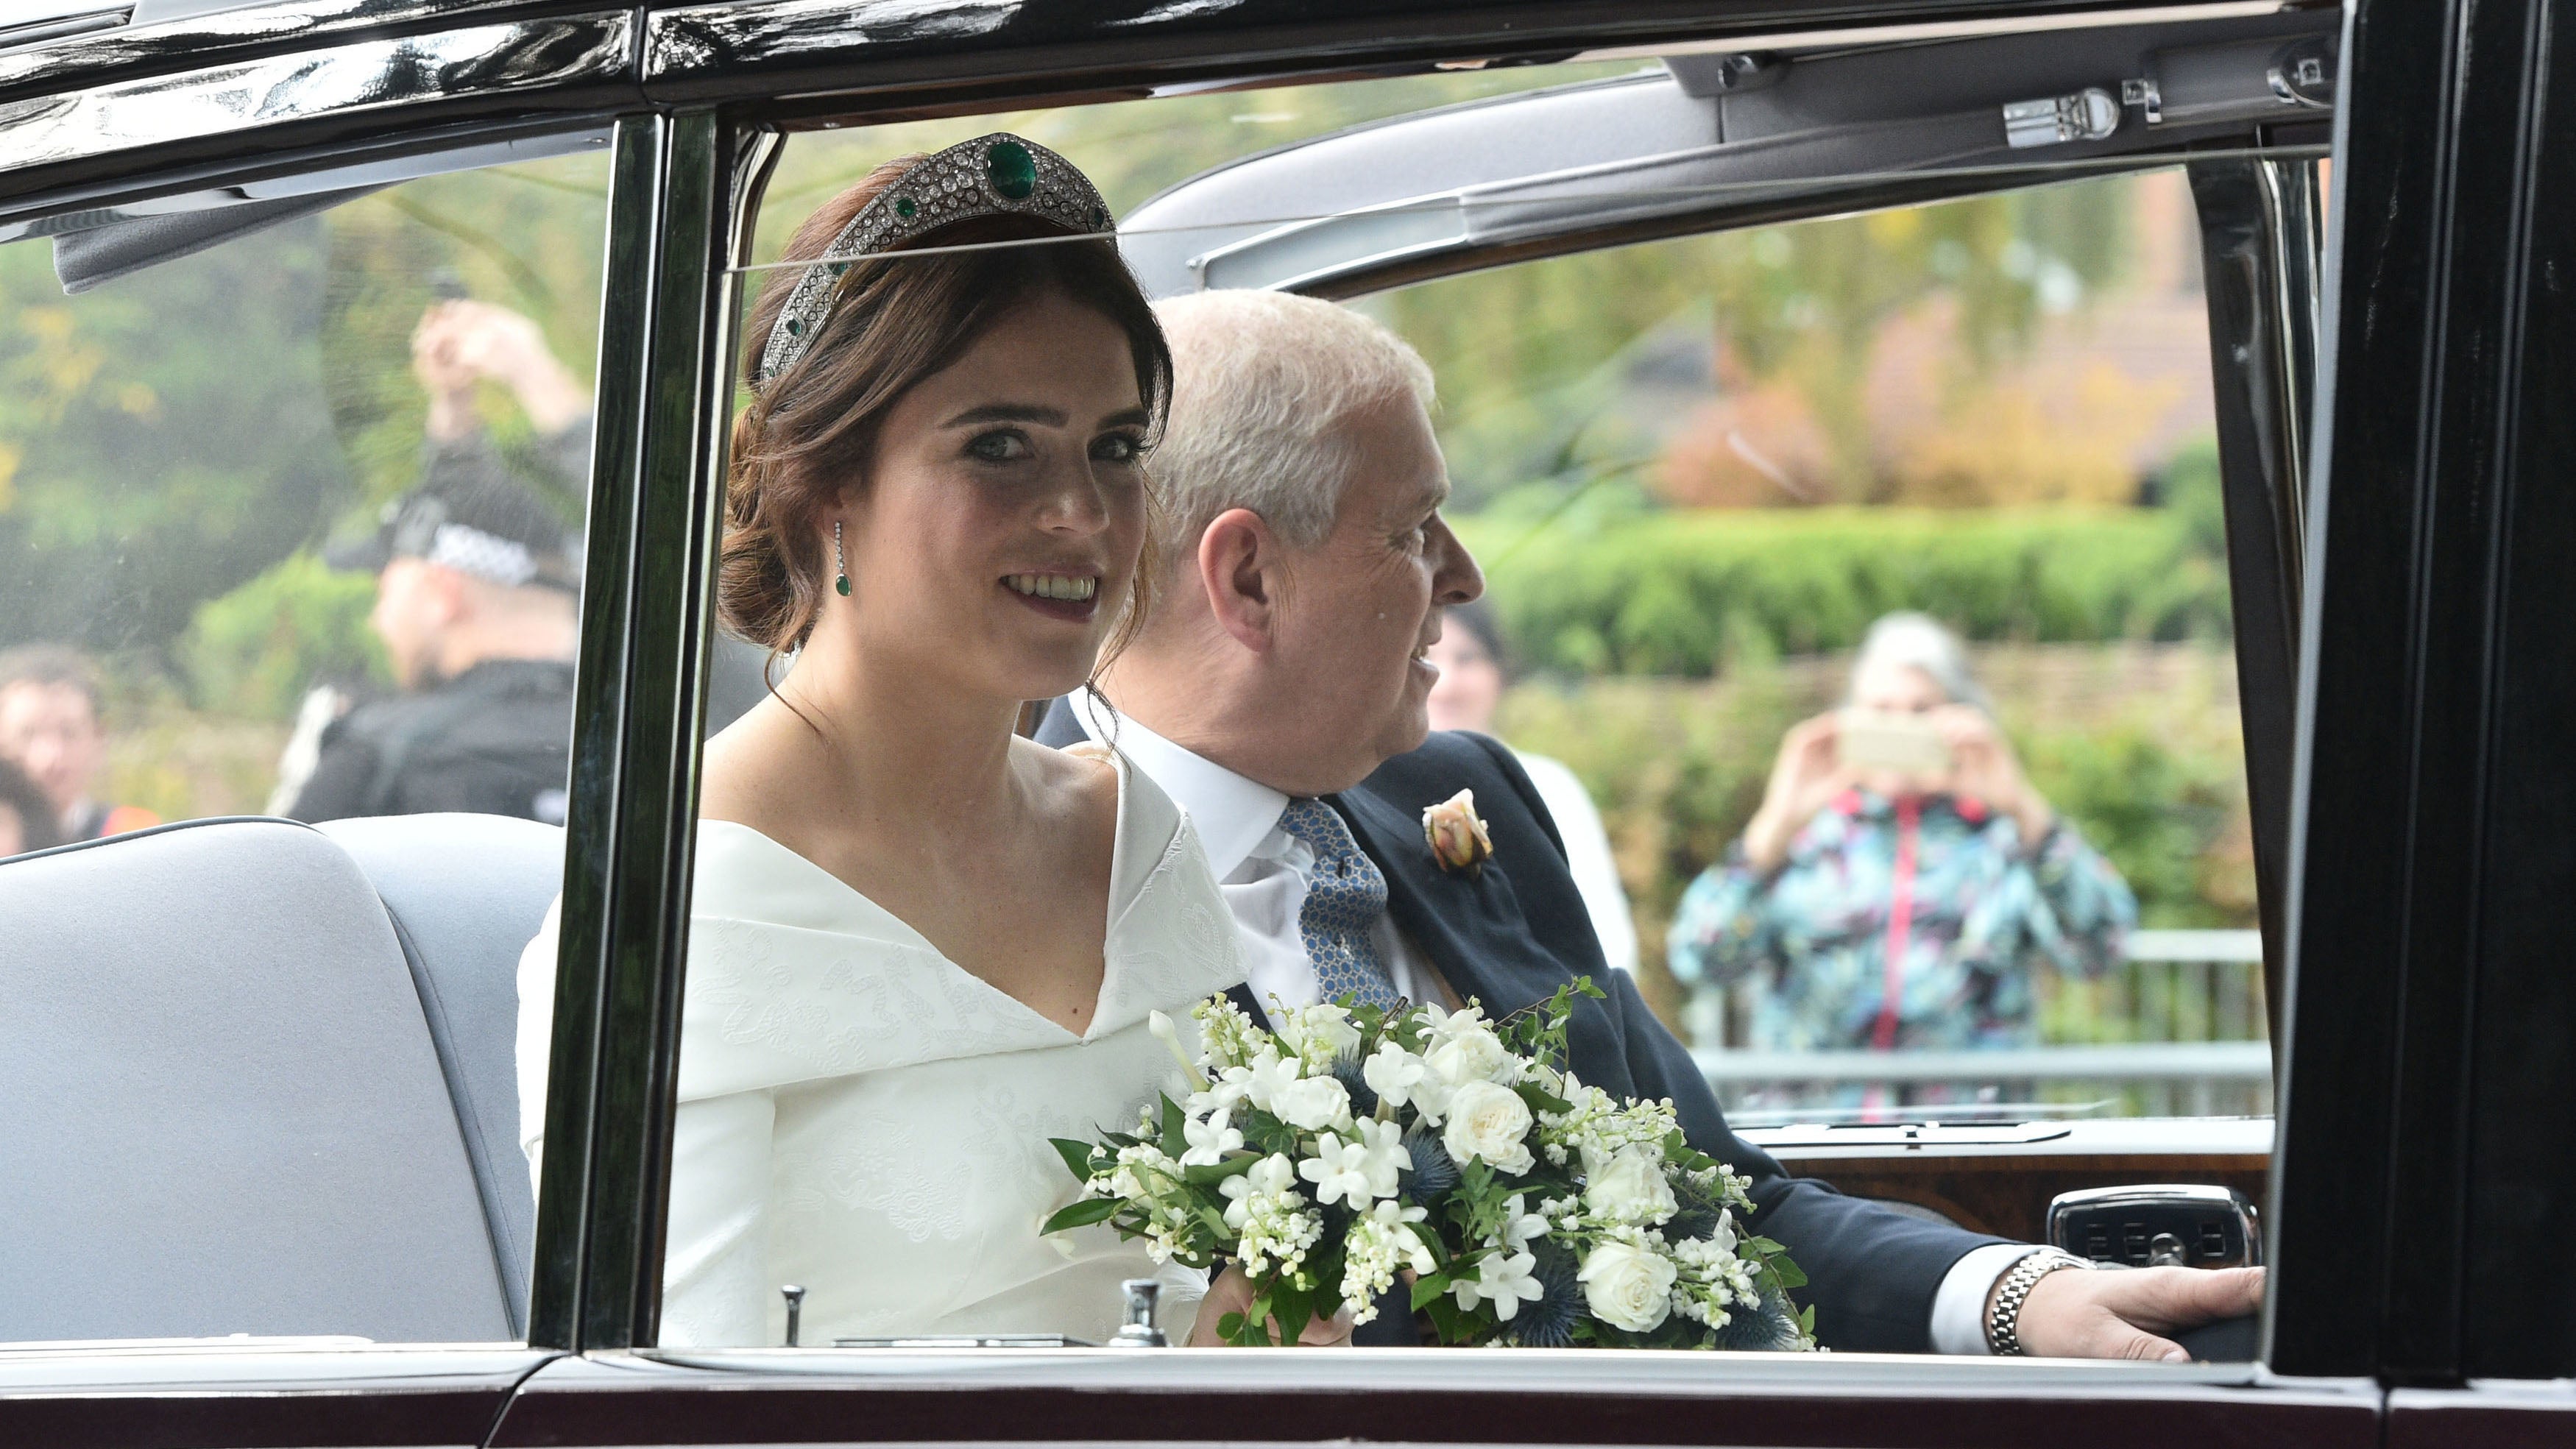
(352, 80)
(191, 42)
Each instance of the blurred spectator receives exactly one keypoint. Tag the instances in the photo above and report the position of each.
(1892, 908)
(477, 603)
(460, 344)
(26, 816)
(53, 728)
(1474, 668)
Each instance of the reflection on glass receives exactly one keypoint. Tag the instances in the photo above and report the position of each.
(290, 524)
(1698, 471)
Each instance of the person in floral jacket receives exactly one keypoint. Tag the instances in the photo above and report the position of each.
(1886, 911)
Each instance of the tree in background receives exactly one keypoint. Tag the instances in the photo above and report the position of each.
(181, 435)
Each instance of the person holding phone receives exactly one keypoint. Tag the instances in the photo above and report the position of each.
(1902, 880)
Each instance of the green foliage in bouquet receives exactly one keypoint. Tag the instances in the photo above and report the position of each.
(1355, 1147)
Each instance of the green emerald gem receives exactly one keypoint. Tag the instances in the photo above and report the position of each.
(794, 327)
(1011, 169)
(842, 583)
(839, 267)
(904, 207)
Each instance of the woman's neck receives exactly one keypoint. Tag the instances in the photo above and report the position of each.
(925, 761)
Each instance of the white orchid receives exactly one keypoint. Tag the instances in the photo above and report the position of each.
(1339, 1171)
(1505, 1280)
(1264, 1077)
(1393, 1073)
(1210, 1139)
(1385, 1155)
(1319, 1033)
(1273, 1178)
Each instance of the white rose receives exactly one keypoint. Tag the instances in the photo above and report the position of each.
(1488, 1121)
(1472, 1056)
(1630, 1188)
(1313, 1103)
(1627, 1287)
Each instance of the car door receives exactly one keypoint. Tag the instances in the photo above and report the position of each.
(282, 388)
(1647, 435)
(625, 1390)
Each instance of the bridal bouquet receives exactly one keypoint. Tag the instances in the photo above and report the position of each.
(1356, 1145)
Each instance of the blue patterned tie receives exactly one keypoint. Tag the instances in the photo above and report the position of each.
(1344, 897)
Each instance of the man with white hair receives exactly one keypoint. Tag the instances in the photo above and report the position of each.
(1277, 693)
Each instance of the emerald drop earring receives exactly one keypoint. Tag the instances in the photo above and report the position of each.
(840, 566)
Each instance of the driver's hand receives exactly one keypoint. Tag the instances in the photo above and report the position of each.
(1231, 1292)
(2081, 1313)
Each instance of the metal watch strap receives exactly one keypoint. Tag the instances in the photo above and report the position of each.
(2003, 1318)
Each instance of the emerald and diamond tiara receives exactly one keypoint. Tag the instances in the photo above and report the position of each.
(995, 175)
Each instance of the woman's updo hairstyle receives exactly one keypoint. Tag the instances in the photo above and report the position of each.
(895, 320)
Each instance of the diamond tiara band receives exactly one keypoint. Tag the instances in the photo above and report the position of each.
(995, 175)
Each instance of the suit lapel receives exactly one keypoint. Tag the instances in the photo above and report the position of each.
(1471, 928)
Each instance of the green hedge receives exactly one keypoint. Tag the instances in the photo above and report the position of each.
(253, 652)
(1686, 593)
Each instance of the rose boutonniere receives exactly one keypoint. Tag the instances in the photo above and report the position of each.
(1457, 836)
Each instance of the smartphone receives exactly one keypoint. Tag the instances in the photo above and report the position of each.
(1869, 739)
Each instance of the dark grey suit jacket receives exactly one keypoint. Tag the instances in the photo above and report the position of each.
(1512, 934)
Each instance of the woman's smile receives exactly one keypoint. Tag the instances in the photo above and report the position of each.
(1073, 598)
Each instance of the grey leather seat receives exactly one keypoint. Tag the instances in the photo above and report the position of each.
(224, 1109)
(465, 893)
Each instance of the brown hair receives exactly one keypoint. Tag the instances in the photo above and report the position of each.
(812, 430)
(57, 666)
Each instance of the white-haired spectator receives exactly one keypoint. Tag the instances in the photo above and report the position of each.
(1902, 880)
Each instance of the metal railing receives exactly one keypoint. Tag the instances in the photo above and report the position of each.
(2177, 1029)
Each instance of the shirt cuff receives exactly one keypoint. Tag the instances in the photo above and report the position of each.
(1959, 1309)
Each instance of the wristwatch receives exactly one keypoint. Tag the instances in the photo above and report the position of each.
(2003, 1317)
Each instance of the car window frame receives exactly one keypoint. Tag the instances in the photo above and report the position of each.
(665, 436)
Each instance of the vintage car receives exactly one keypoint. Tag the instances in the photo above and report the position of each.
(261, 1174)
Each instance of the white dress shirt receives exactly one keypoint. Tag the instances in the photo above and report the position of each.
(1261, 871)
(1587, 856)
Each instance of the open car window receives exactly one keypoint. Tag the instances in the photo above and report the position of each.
(1922, 482)
(292, 487)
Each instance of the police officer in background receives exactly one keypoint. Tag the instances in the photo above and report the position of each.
(478, 605)
(477, 600)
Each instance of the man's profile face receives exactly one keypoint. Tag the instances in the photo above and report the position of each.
(1361, 607)
(50, 731)
(408, 615)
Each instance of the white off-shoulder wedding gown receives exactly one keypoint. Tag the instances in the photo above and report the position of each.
(864, 1117)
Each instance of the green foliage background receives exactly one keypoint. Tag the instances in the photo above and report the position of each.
(175, 435)
(173, 445)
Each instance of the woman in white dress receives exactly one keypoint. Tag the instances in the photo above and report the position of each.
(921, 945)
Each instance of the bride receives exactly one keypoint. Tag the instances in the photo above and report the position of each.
(920, 945)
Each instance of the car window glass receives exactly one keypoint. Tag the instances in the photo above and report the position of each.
(1701, 473)
(1697, 472)
(291, 502)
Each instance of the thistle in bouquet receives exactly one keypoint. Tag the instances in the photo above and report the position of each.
(1355, 1147)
